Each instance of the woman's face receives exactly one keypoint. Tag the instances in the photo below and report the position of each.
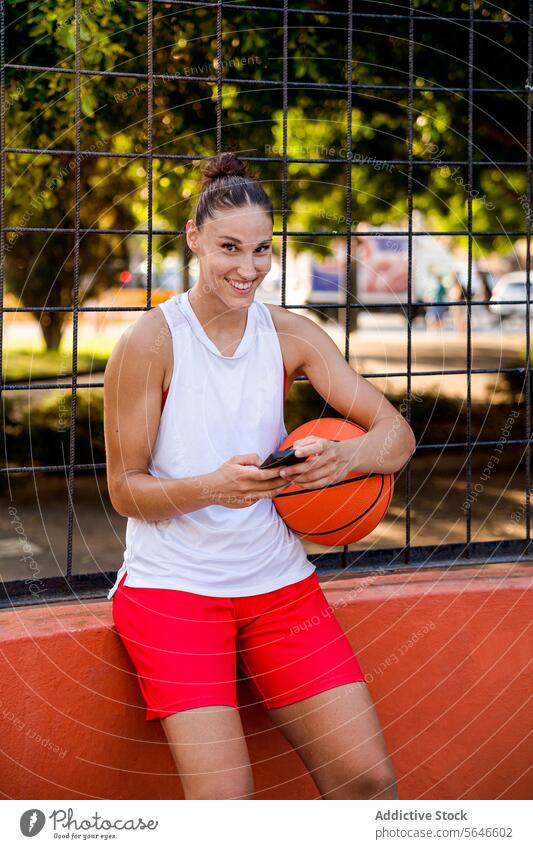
(233, 248)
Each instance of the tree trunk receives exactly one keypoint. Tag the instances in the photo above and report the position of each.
(51, 325)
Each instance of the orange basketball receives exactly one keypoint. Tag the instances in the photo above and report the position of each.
(342, 512)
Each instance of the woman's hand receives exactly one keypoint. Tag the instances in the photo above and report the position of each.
(329, 462)
(239, 482)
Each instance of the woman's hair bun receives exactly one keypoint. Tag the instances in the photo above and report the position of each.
(227, 184)
(223, 165)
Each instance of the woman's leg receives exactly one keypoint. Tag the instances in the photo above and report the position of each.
(304, 669)
(338, 736)
(210, 752)
(183, 647)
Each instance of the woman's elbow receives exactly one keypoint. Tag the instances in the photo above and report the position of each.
(118, 507)
(409, 449)
(116, 497)
(411, 442)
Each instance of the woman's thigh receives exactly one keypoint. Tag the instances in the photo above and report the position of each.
(210, 752)
(338, 735)
(182, 645)
(291, 645)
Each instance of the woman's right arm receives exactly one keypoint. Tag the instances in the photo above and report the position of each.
(133, 392)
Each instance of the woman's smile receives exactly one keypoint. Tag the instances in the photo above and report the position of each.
(238, 286)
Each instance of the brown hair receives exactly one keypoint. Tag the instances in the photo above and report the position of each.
(226, 184)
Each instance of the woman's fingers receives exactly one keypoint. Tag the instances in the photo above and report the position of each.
(309, 444)
(264, 491)
(314, 465)
(246, 459)
(314, 472)
(290, 472)
(263, 480)
(314, 484)
(268, 493)
(258, 474)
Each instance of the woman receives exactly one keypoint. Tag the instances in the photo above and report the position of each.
(212, 576)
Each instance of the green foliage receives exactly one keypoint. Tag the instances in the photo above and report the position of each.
(41, 190)
(44, 433)
(21, 364)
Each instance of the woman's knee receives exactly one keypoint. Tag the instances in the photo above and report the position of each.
(378, 782)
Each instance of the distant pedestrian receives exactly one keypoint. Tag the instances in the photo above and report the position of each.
(436, 312)
(458, 312)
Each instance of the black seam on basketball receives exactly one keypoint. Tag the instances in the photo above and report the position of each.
(331, 485)
(347, 525)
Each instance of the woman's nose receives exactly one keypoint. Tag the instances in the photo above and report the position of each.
(247, 270)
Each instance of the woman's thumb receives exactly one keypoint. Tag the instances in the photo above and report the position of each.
(248, 459)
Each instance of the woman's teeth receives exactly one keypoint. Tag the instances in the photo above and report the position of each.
(242, 287)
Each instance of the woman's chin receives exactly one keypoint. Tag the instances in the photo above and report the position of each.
(236, 297)
(229, 295)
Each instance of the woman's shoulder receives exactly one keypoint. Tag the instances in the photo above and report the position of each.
(287, 321)
(292, 330)
(283, 319)
(144, 350)
(148, 327)
(147, 340)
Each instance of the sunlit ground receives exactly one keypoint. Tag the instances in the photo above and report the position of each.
(438, 488)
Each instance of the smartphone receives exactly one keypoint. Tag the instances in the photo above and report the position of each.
(282, 458)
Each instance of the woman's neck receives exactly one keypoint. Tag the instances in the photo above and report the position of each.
(213, 313)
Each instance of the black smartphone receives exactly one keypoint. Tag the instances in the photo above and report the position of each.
(282, 458)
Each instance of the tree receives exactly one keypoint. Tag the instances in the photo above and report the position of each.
(114, 116)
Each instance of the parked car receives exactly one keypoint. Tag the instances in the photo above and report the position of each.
(511, 287)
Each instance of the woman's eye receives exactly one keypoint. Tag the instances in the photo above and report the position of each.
(228, 245)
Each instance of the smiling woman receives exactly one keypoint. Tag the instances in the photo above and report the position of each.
(212, 576)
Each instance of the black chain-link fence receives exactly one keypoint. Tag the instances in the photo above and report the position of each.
(416, 20)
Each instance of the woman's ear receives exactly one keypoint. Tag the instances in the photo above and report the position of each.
(191, 234)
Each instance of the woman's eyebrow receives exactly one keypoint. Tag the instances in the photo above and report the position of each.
(235, 239)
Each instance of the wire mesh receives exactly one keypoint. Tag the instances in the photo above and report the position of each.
(407, 556)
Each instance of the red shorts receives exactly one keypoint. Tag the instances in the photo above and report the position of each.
(185, 646)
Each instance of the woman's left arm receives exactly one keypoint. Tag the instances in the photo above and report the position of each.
(389, 441)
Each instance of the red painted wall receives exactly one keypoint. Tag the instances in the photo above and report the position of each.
(448, 657)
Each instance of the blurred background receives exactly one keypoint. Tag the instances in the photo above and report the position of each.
(121, 249)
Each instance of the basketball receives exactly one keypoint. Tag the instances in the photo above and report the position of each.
(340, 513)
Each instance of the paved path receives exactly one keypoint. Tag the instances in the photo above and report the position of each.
(380, 346)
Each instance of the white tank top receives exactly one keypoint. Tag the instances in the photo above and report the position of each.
(217, 407)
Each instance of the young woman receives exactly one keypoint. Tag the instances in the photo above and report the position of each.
(212, 577)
